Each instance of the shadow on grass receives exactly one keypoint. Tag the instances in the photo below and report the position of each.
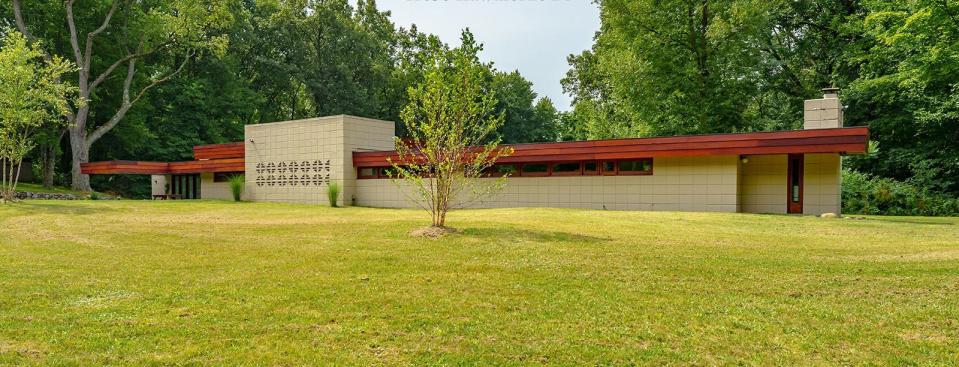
(517, 234)
(32, 207)
(945, 221)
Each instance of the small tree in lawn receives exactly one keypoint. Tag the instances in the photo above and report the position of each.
(31, 98)
(450, 120)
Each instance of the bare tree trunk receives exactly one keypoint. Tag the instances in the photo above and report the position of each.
(48, 156)
(81, 153)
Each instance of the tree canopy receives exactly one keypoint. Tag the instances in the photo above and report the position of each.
(657, 67)
(665, 67)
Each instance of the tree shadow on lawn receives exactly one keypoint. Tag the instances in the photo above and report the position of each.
(943, 221)
(33, 207)
(523, 234)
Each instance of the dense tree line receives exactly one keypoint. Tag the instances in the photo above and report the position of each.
(206, 68)
(663, 67)
(162, 76)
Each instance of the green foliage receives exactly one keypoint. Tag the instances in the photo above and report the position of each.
(866, 194)
(333, 193)
(669, 67)
(525, 119)
(690, 66)
(450, 119)
(31, 97)
(94, 195)
(907, 92)
(237, 184)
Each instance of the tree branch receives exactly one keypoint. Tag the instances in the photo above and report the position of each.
(88, 51)
(21, 26)
(127, 103)
(74, 42)
(103, 76)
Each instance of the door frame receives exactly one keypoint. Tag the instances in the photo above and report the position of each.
(795, 167)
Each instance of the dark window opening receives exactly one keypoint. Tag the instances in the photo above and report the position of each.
(590, 168)
(567, 169)
(609, 168)
(366, 172)
(635, 167)
(535, 169)
(224, 176)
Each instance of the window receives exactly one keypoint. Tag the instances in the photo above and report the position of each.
(567, 169)
(636, 167)
(501, 170)
(387, 172)
(535, 169)
(367, 172)
(609, 168)
(590, 168)
(643, 166)
(224, 176)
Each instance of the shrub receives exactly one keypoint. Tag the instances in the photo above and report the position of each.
(333, 193)
(94, 195)
(237, 184)
(866, 194)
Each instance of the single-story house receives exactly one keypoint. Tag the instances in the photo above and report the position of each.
(796, 171)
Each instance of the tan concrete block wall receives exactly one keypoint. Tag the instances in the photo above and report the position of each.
(215, 190)
(678, 184)
(362, 135)
(328, 141)
(762, 184)
(822, 182)
(158, 184)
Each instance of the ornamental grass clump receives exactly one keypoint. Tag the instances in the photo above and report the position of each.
(333, 193)
(237, 184)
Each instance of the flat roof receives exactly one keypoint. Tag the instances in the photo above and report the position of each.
(229, 157)
(849, 140)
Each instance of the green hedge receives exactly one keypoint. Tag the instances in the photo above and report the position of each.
(866, 194)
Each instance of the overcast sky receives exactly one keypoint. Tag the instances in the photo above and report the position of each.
(532, 36)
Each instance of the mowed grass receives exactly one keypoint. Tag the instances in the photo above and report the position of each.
(220, 283)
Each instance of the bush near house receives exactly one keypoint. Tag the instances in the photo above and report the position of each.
(866, 194)
(237, 184)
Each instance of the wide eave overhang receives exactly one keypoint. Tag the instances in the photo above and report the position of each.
(227, 157)
(849, 140)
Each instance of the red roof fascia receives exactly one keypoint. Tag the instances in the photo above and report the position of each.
(851, 140)
(219, 151)
(161, 168)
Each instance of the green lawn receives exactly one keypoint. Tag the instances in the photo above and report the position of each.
(219, 283)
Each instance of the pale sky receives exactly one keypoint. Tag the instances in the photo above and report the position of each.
(532, 36)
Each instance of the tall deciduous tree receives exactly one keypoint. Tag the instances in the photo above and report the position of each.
(908, 92)
(662, 67)
(449, 119)
(527, 119)
(31, 96)
(138, 32)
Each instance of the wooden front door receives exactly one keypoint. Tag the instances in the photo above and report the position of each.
(795, 184)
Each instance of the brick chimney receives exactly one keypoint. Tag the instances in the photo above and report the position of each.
(825, 113)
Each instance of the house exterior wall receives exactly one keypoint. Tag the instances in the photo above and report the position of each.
(762, 184)
(822, 182)
(215, 190)
(295, 161)
(158, 184)
(677, 184)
